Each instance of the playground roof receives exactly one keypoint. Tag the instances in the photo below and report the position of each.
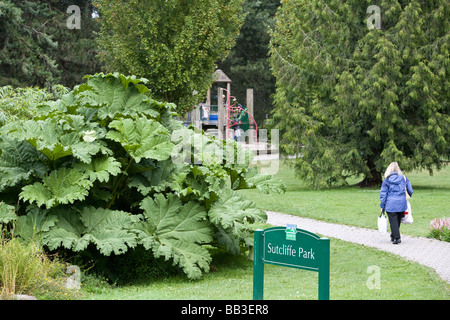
(220, 76)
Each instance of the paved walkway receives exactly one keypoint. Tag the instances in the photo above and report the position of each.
(428, 252)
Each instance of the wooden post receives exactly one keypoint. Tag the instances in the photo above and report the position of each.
(221, 113)
(228, 103)
(196, 117)
(251, 129)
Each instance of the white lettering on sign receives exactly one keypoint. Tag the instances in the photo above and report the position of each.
(285, 250)
(306, 254)
(288, 250)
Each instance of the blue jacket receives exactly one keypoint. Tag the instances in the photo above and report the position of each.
(392, 193)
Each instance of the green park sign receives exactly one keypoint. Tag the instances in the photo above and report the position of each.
(294, 248)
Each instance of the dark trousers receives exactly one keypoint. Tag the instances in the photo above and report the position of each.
(395, 219)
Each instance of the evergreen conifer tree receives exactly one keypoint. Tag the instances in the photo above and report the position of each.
(38, 49)
(351, 99)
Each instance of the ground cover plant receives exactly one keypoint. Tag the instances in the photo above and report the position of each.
(440, 229)
(19, 103)
(27, 270)
(108, 168)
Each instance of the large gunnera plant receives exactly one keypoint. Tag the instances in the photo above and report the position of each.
(107, 166)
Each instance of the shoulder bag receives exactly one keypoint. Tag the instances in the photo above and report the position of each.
(407, 217)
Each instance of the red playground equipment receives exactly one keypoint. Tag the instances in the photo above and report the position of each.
(228, 119)
(238, 118)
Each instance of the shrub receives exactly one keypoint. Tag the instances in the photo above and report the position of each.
(20, 103)
(24, 269)
(107, 166)
(440, 229)
(135, 266)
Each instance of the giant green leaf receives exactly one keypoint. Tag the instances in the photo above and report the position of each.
(263, 182)
(191, 257)
(109, 230)
(142, 138)
(176, 231)
(60, 136)
(7, 213)
(154, 179)
(233, 206)
(232, 215)
(116, 94)
(61, 186)
(100, 168)
(34, 223)
(67, 232)
(18, 162)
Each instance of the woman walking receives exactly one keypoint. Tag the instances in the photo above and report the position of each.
(393, 198)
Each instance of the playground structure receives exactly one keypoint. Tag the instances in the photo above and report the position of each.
(223, 116)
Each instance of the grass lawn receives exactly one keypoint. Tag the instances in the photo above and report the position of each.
(358, 206)
(399, 279)
(232, 280)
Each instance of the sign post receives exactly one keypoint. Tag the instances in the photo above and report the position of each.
(293, 248)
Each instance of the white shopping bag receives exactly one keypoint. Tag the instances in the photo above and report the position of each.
(382, 223)
(407, 218)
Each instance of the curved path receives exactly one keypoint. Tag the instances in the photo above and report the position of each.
(429, 252)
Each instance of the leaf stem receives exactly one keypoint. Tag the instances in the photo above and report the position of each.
(118, 183)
